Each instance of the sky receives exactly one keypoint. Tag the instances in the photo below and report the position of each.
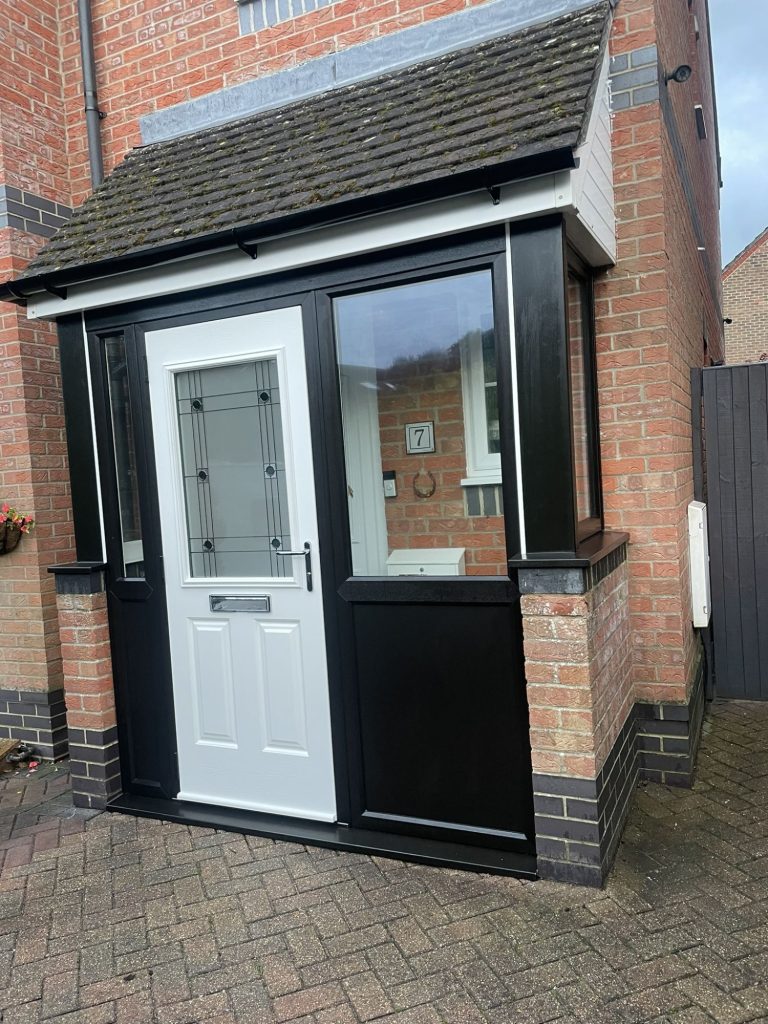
(739, 33)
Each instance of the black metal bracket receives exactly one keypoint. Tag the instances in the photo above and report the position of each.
(494, 191)
(60, 293)
(249, 248)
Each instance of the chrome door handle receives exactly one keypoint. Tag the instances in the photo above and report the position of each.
(306, 552)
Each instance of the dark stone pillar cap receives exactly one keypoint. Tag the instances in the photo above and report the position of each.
(79, 577)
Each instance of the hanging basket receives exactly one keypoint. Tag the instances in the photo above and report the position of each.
(10, 535)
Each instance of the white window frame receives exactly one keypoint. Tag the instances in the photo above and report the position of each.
(483, 467)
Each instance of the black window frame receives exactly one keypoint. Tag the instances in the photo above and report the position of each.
(587, 527)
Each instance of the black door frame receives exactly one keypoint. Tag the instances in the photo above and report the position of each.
(312, 290)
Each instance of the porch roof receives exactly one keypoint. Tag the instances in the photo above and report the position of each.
(478, 117)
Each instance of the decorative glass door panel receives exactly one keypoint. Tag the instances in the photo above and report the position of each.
(230, 417)
(235, 491)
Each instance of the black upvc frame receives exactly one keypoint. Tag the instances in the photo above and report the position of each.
(539, 279)
(311, 290)
(540, 261)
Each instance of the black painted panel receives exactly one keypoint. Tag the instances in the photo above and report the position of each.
(137, 608)
(736, 439)
(443, 723)
(538, 285)
(82, 458)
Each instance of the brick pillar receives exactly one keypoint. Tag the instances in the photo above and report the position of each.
(88, 687)
(578, 669)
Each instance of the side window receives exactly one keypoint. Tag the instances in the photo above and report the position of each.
(581, 359)
(124, 447)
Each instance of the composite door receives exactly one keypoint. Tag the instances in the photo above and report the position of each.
(239, 527)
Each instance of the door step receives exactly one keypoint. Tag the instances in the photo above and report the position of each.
(337, 837)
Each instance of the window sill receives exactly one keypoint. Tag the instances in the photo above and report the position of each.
(492, 480)
(587, 554)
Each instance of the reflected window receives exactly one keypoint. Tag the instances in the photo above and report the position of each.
(417, 367)
(124, 445)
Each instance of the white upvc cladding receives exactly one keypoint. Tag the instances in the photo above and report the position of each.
(583, 195)
(592, 180)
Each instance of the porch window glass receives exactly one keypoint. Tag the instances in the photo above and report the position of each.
(124, 446)
(581, 362)
(417, 365)
(233, 467)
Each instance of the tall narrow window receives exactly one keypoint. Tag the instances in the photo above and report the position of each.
(124, 443)
(583, 407)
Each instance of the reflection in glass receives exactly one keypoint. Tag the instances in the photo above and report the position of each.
(578, 339)
(233, 467)
(421, 353)
(125, 455)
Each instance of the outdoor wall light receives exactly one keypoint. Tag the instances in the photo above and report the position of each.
(681, 74)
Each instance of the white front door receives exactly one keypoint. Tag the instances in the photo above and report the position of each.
(230, 417)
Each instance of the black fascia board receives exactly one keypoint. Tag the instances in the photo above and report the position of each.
(455, 185)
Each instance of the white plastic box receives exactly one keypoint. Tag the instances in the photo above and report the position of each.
(698, 547)
(427, 562)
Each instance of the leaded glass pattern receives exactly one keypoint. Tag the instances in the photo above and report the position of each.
(233, 468)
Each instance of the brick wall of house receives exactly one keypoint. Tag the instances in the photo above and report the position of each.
(33, 461)
(653, 311)
(153, 54)
(745, 301)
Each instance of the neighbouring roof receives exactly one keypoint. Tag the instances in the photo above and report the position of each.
(483, 109)
(745, 253)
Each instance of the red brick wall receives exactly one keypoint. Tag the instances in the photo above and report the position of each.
(578, 666)
(745, 301)
(33, 464)
(85, 647)
(652, 312)
(153, 54)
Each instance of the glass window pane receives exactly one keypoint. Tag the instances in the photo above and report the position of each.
(579, 338)
(233, 467)
(125, 455)
(417, 365)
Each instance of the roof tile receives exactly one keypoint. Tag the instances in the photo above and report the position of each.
(473, 109)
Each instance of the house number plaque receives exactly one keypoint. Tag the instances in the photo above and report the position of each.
(419, 437)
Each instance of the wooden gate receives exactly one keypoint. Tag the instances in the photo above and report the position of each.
(735, 440)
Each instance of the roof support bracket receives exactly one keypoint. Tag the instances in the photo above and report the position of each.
(249, 248)
(494, 191)
(60, 293)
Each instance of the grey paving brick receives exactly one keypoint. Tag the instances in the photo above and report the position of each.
(113, 920)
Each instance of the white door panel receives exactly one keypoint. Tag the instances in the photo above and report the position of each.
(230, 417)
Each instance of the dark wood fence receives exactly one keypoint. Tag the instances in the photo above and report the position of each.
(735, 441)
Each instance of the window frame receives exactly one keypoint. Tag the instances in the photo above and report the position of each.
(482, 466)
(591, 525)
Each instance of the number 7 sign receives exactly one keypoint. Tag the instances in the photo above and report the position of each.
(420, 437)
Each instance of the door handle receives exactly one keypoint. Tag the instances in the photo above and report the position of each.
(306, 552)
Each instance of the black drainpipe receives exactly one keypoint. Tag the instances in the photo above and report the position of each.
(92, 113)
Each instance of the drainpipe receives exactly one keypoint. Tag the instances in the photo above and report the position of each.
(92, 113)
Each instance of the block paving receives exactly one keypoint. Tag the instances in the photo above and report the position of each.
(112, 919)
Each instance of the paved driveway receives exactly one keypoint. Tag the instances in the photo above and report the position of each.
(109, 918)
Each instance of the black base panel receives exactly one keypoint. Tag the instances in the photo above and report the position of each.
(338, 837)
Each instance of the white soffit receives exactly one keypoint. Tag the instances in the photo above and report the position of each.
(544, 194)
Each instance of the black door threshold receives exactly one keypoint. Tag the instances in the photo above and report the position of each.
(338, 837)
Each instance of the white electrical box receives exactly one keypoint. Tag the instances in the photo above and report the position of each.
(698, 547)
(427, 562)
